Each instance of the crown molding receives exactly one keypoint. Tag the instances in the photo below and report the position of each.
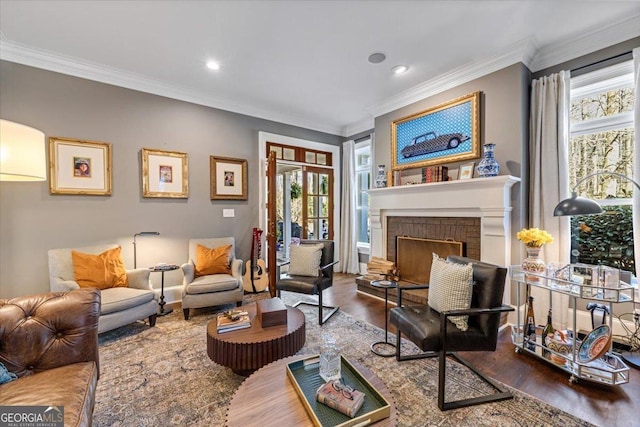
(37, 58)
(526, 51)
(592, 41)
(521, 51)
(357, 127)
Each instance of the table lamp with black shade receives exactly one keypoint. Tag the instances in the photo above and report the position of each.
(576, 205)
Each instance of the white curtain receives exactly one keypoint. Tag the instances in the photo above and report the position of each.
(636, 160)
(549, 180)
(348, 234)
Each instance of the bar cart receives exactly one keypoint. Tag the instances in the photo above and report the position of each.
(576, 281)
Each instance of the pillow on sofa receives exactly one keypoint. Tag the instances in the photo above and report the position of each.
(304, 259)
(450, 288)
(213, 261)
(102, 271)
(5, 375)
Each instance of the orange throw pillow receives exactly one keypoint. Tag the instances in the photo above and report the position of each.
(213, 261)
(102, 271)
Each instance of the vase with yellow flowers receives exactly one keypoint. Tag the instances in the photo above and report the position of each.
(534, 239)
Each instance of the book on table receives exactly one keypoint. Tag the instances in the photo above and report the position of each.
(340, 397)
(233, 320)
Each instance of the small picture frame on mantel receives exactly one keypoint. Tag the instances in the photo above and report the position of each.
(466, 171)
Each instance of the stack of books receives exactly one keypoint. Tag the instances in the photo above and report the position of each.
(342, 398)
(233, 320)
(377, 267)
(435, 174)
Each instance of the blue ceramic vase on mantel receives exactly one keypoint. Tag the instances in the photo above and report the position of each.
(381, 178)
(488, 166)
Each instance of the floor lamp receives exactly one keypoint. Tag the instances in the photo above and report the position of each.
(142, 233)
(581, 206)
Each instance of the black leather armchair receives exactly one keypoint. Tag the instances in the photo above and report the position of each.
(309, 284)
(435, 335)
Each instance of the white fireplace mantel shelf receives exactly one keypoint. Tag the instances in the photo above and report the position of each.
(448, 194)
(486, 198)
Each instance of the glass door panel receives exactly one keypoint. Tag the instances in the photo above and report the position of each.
(312, 206)
(312, 226)
(318, 216)
(312, 183)
(324, 206)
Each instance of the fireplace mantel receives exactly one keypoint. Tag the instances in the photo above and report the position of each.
(486, 198)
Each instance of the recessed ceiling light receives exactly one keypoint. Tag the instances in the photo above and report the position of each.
(213, 65)
(399, 69)
(376, 58)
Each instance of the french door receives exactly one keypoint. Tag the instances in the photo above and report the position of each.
(271, 223)
(317, 209)
(298, 196)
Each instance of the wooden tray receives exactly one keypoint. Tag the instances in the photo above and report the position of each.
(306, 380)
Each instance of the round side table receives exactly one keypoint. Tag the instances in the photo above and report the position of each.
(386, 285)
(161, 269)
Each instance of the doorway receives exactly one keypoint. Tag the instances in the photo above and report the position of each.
(307, 205)
(304, 205)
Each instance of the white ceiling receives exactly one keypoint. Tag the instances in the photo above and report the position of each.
(305, 62)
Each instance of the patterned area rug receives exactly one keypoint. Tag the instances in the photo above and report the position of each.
(162, 376)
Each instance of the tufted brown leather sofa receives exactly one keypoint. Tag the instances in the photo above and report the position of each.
(50, 341)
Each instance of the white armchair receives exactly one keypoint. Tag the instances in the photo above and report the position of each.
(119, 306)
(213, 289)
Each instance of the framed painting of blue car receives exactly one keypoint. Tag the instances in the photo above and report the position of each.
(446, 133)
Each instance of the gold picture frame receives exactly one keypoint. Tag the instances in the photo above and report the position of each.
(165, 174)
(466, 170)
(449, 132)
(79, 167)
(228, 178)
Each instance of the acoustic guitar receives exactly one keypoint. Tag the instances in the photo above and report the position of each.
(255, 278)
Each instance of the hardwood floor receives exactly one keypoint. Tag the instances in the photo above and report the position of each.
(598, 404)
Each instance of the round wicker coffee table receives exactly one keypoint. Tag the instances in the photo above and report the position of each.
(246, 350)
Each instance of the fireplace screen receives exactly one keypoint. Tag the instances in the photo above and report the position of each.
(414, 256)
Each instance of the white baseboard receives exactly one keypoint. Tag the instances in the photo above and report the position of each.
(172, 294)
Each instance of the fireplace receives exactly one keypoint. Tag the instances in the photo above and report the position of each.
(476, 212)
(414, 256)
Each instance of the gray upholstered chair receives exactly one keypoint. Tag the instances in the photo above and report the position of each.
(214, 289)
(119, 306)
(436, 334)
(313, 282)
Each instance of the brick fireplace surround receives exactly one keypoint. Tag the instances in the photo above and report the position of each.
(475, 211)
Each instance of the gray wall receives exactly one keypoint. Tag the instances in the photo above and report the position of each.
(503, 121)
(33, 221)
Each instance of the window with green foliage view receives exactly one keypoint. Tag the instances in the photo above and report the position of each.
(602, 139)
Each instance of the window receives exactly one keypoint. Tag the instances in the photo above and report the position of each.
(363, 183)
(300, 154)
(602, 139)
